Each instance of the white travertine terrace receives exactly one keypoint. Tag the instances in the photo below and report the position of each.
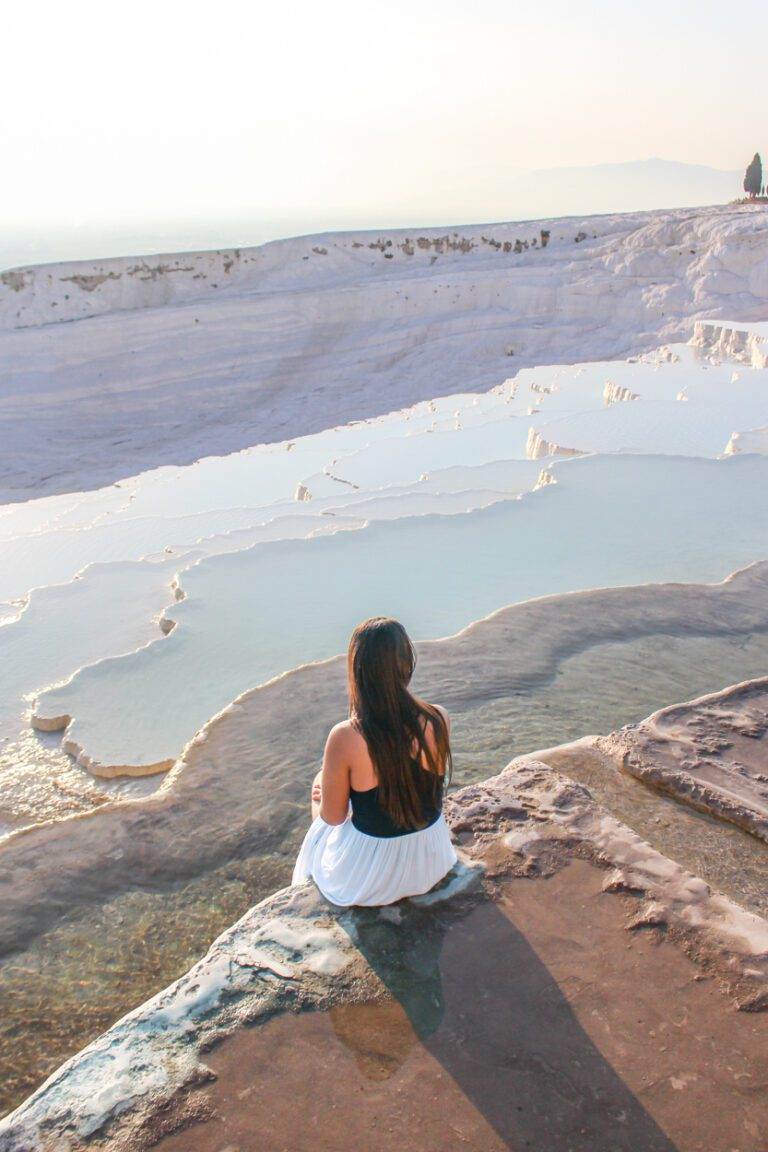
(450, 455)
(252, 614)
(431, 470)
(199, 353)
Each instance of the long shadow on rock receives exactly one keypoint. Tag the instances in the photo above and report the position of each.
(481, 1001)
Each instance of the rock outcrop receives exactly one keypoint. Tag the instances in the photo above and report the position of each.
(711, 753)
(617, 393)
(527, 831)
(754, 440)
(537, 448)
(732, 340)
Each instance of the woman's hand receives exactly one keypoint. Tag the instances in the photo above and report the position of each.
(317, 792)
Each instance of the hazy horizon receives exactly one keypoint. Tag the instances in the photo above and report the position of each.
(599, 189)
(244, 122)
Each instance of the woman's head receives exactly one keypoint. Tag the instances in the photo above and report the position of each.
(399, 729)
(380, 664)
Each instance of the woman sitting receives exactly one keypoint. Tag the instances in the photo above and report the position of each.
(378, 832)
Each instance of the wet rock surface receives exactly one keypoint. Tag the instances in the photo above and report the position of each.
(241, 783)
(711, 753)
(564, 985)
(527, 1038)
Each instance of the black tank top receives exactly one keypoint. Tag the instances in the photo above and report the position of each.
(370, 818)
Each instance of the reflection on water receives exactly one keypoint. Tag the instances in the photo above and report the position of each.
(410, 973)
(99, 962)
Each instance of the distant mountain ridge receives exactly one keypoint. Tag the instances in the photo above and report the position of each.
(631, 186)
(501, 193)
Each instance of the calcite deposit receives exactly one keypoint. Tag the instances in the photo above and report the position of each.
(711, 753)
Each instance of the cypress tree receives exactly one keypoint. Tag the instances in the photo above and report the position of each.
(753, 177)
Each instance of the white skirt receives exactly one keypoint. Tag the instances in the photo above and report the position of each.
(350, 867)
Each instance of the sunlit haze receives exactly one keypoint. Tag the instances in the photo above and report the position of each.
(133, 119)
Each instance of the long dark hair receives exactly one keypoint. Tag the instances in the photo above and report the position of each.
(394, 722)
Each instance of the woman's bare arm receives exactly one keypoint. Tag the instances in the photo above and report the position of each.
(334, 784)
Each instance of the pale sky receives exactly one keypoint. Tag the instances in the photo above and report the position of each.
(119, 112)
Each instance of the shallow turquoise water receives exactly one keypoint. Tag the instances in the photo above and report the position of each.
(608, 521)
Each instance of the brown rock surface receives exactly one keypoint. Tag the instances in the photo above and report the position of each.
(711, 753)
(544, 1026)
(567, 988)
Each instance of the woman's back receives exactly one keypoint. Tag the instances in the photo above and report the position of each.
(370, 817)
(379, 834)
(362, 771)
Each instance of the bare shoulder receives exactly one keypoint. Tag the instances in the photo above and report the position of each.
(444, 713)
(344, 737)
